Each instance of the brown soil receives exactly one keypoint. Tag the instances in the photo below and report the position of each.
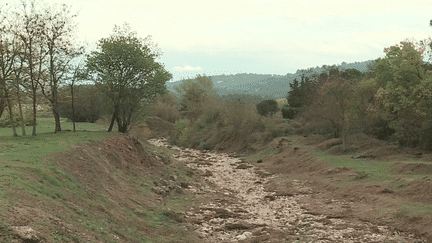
(377, 203)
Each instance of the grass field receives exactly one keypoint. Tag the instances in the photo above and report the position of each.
(21, 157)
(31, 148)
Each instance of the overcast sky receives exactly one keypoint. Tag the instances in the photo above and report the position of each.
(255, 36)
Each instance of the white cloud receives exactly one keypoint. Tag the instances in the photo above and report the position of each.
(187, 68)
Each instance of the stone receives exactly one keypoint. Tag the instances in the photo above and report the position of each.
(26, 233)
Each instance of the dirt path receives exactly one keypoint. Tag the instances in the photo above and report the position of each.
(238, 208)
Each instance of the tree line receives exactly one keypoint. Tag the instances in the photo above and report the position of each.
(392, 101)
(39, 56)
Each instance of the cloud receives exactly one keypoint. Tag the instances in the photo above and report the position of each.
(187, 68)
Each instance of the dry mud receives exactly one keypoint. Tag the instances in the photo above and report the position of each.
(241, 210)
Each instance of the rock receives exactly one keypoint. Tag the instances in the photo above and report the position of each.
(243, 166)
(173, 177)
(184, 184)
(238, 226)
(259, 161)
(208, 173)
(241, 237)
(26, 233)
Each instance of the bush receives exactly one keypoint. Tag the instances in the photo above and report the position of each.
(426, 138)
(380, 129)
(165, 107)
(273, 125)
(182, 135)
(88, 106)
(290, 112)
(267, 107)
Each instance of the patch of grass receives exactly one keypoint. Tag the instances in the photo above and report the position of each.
(179, 202)
(417, 209)
(156, 219)
(21, 158)
(263, 153)
(377, 170)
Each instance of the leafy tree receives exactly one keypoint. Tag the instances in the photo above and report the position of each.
(352, 75)
(267, 107)
(125, 70)
(295, 96)
(404, 97)
(194, 94)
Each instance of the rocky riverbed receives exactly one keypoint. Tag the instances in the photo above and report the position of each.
(242, 210)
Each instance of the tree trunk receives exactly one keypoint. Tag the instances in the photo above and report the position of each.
(73, 108)
(20, 111)
(57, 119)
(11, 115)
(34, 113)
(2, 105)
(114, 117)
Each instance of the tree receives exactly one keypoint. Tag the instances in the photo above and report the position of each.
(267, 107)
(403, 80)
(10, 50)
(29, 31)
(194, 94)
(352, 75)
(125, 70)
(57, 30)
(295, 96)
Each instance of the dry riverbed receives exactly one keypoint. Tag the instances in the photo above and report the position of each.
(237, 208)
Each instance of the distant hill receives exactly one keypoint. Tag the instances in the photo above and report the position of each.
(267, 85)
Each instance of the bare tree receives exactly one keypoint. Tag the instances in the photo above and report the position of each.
(57, 32)
(10, 48)
(29, 32)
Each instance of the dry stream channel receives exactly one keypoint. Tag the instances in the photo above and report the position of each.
(243, 211)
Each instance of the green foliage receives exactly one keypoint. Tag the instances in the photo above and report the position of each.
(352, 75)
(125, 70)
(267, 107)
(291, 112)
(88, 104)
(182, 135)
(247, 98)
(295, 97)
(405, 96)
(302, 92)
(194, 95)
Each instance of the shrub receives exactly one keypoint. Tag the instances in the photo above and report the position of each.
(88, 106)
(273, 125)
(267, 107)
(290, 112)
(182, 133)
(380, 129)
(165, 107)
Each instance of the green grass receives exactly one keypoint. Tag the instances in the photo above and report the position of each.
(21, 162)
(22, 169)
(378, 171)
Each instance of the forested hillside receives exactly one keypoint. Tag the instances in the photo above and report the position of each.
(268, 85)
